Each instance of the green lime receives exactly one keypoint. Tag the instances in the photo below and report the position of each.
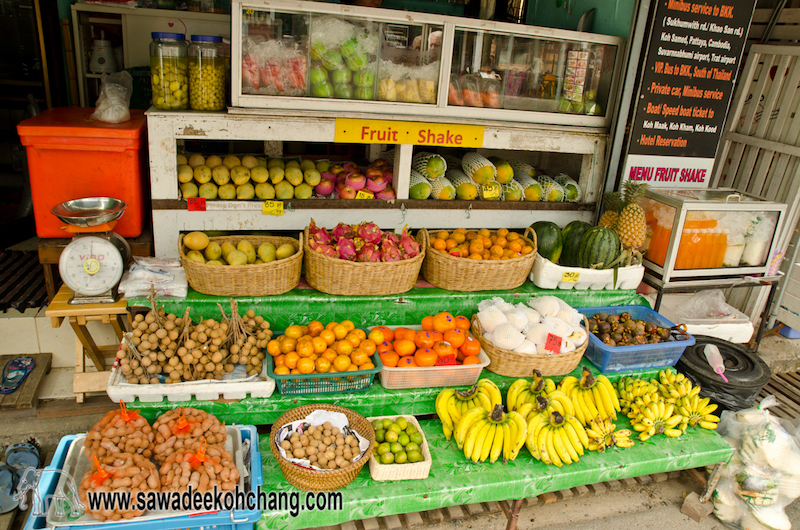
(387, 423)
(400, 458)
(396, 428)
(403, 439)
(391, 436)
(416, 438)
(387, 458)
(379, 435)
(411, 446)
(402, 422)
(377, 424)
(385, 447)
(414, 456)
(396, 448)
(410, 429)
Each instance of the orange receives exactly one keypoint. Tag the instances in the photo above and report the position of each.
(376, 336)
(513, 236)
(306, 366)
(384, 347)
(515, 246)
(331, 325)
(353, 339)
(455, 337)
(527, 249)
(360, 332)
(368, 346)
(443, 321)
(462, 322)
(437, 336)
(504, 258)
(456, 252)
(294, 331)
(486, 254)
(442, 234)
(423, 339)
(459, 355)
(404, 333)
(459, 237)
(450, 244)
(329, 354)
(359, 357)
(279, 360)
(471, 235)
(341, 363)
(294, 371)
(305, 348)
(475, 256)
(352, 368)
(366, 366)
(389, 359)
(427, 323)
(496, 250)
(425, 357)
(319, 344)
(443, 349)
(274, 348)
(340, 331)
(315, 327)
(281, 370)
(343, 347)
(502, 232)
(348, 324)
(404, 347)
(472, 359)
(487, 242)
(290, 361)
(388, 334)
(484, 232)
(470, 348)
(323, 365)
(328, 336)
(288, 344)
(476, 246)
(439, 244)
(313, 356)
(407, 362)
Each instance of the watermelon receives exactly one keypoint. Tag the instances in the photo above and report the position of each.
(571, 239)
(598, 246)
(548, 240)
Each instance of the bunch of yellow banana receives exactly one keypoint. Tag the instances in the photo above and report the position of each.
(655, 417)
(591, 396)
(487, 435)
(556, 439)
(603, 434)
(523, 391)
(452, 404)
(698, 411)
(630, 388)
(556, 401)
(674, 386)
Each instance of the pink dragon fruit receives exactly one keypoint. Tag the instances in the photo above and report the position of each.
(390, 236)
(408, 245)
(327, 250)
(390, 251)
(369, 254)
(370, 233)
(347, 249)
(342, 231)
(317, 236)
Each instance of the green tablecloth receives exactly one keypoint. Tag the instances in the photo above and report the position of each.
(376, 401)
(303, 304)
(455, 481)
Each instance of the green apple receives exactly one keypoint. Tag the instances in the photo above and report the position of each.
(318, 75)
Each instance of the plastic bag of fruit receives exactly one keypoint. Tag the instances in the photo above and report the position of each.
(183, 428)
(201, 467)
(120, 431)
(118, 472)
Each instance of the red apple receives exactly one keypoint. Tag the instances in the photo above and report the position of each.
(340, 185)
(352, 167)
(388, 193)
(380, 162)
(388, 174)
(335, 169)
(340, 176)
(325, 187)
(374, 172)
(347, 193)
(356, 181)
(376, 184)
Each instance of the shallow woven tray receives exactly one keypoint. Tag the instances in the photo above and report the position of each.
(339, 276)
(462, 274)
(415, 471)
(276, 277)
(513, 364)
(311, 479)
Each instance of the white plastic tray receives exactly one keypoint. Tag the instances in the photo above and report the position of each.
(735, 327)
(547, 275)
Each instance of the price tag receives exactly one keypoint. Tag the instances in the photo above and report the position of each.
(570, 277)
(364, 195)
(447, 360)
(490, 192)
(272, 208)
(553, 343)
(196, 204)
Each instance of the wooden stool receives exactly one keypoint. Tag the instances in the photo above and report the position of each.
(115, 314)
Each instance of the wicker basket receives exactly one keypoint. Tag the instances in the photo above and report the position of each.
(338, 276)
(460, 274)
(513, 364)
(276, 277)
(311, 479)
(415, 471)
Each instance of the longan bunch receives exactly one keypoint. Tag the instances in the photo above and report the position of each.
(171, 436)
(322, 445)
(250, 336)
(217, 469)
(155, 340)
(120, 431)
(123, 472)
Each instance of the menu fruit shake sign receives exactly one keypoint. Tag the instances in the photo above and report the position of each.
(686, 86)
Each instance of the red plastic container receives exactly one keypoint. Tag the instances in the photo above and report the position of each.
(71, 156)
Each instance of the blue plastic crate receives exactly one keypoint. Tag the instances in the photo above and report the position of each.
(235, 520)
(638, 357)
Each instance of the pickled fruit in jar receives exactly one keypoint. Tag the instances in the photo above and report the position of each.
(170, 83)
(207, 78)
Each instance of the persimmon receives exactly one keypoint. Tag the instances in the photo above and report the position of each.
(472, 359)
(389, 359)
(462, 322)
(405, 347)
(443, 349)
(384, 347)
(427, 323)
(425, 357)
(470, 348)
(404, 333)
(407, 362)
(455, 337)
(424, 339)
(443, 321)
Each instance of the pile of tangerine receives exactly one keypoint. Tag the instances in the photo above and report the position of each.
(441, 335)
(335, 347)
(482, 244)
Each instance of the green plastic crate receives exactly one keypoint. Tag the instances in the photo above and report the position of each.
(311, 384)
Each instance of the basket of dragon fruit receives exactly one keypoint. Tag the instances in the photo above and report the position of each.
(360, 260)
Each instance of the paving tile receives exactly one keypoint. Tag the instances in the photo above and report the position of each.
(455, 513)
(349, 525)
(392, 522)
(644, 479)
(371, 524)
(660, 477)
(581, 490)
(413, 519)
(566, 494)
(614, 485)
(629, 482)
(435, 516)
(598, 488)
(494, 507)
(475, 509)
(548, 498)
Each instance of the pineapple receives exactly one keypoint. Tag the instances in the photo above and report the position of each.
(613, 203)
(631, 227)
(429, 165)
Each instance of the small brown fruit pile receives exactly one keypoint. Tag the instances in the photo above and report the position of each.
(202, 467)
(322, 445)
(120, 431)
(182, 428)
(118, 472)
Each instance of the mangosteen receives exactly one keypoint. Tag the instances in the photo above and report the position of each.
(630, 325)
(617, 337)
(604, 336)
(654, 340)
(601, 316)
(604, 327)
(639, 329)
(649, 328)
(639, 339)
(609, 342)
(592, 322)
(663, 333)
(612, 319)
(624, 316)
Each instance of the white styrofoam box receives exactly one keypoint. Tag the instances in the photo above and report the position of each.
(735, 328)
(547, 275)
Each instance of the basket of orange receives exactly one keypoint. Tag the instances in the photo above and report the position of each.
(477, 260)
(438, 352)
(322, 359)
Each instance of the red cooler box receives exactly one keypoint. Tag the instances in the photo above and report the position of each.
(71, 156)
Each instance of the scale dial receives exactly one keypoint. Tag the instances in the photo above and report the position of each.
(91, 265)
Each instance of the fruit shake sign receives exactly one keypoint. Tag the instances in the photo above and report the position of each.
(686, 86)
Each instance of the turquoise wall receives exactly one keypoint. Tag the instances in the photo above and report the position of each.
(611, 17)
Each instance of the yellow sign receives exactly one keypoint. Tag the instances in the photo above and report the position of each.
(407, 132)
(490, 192)
(272, 208)
(364, 195)
(570, 277)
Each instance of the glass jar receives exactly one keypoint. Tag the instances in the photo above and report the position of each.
(207, 73)
(168, 70)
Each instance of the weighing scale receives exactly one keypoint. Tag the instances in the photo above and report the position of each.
(93, 262)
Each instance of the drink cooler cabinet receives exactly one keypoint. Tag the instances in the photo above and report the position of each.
(708, 234)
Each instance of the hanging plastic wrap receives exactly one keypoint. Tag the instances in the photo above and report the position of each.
(273, 68)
